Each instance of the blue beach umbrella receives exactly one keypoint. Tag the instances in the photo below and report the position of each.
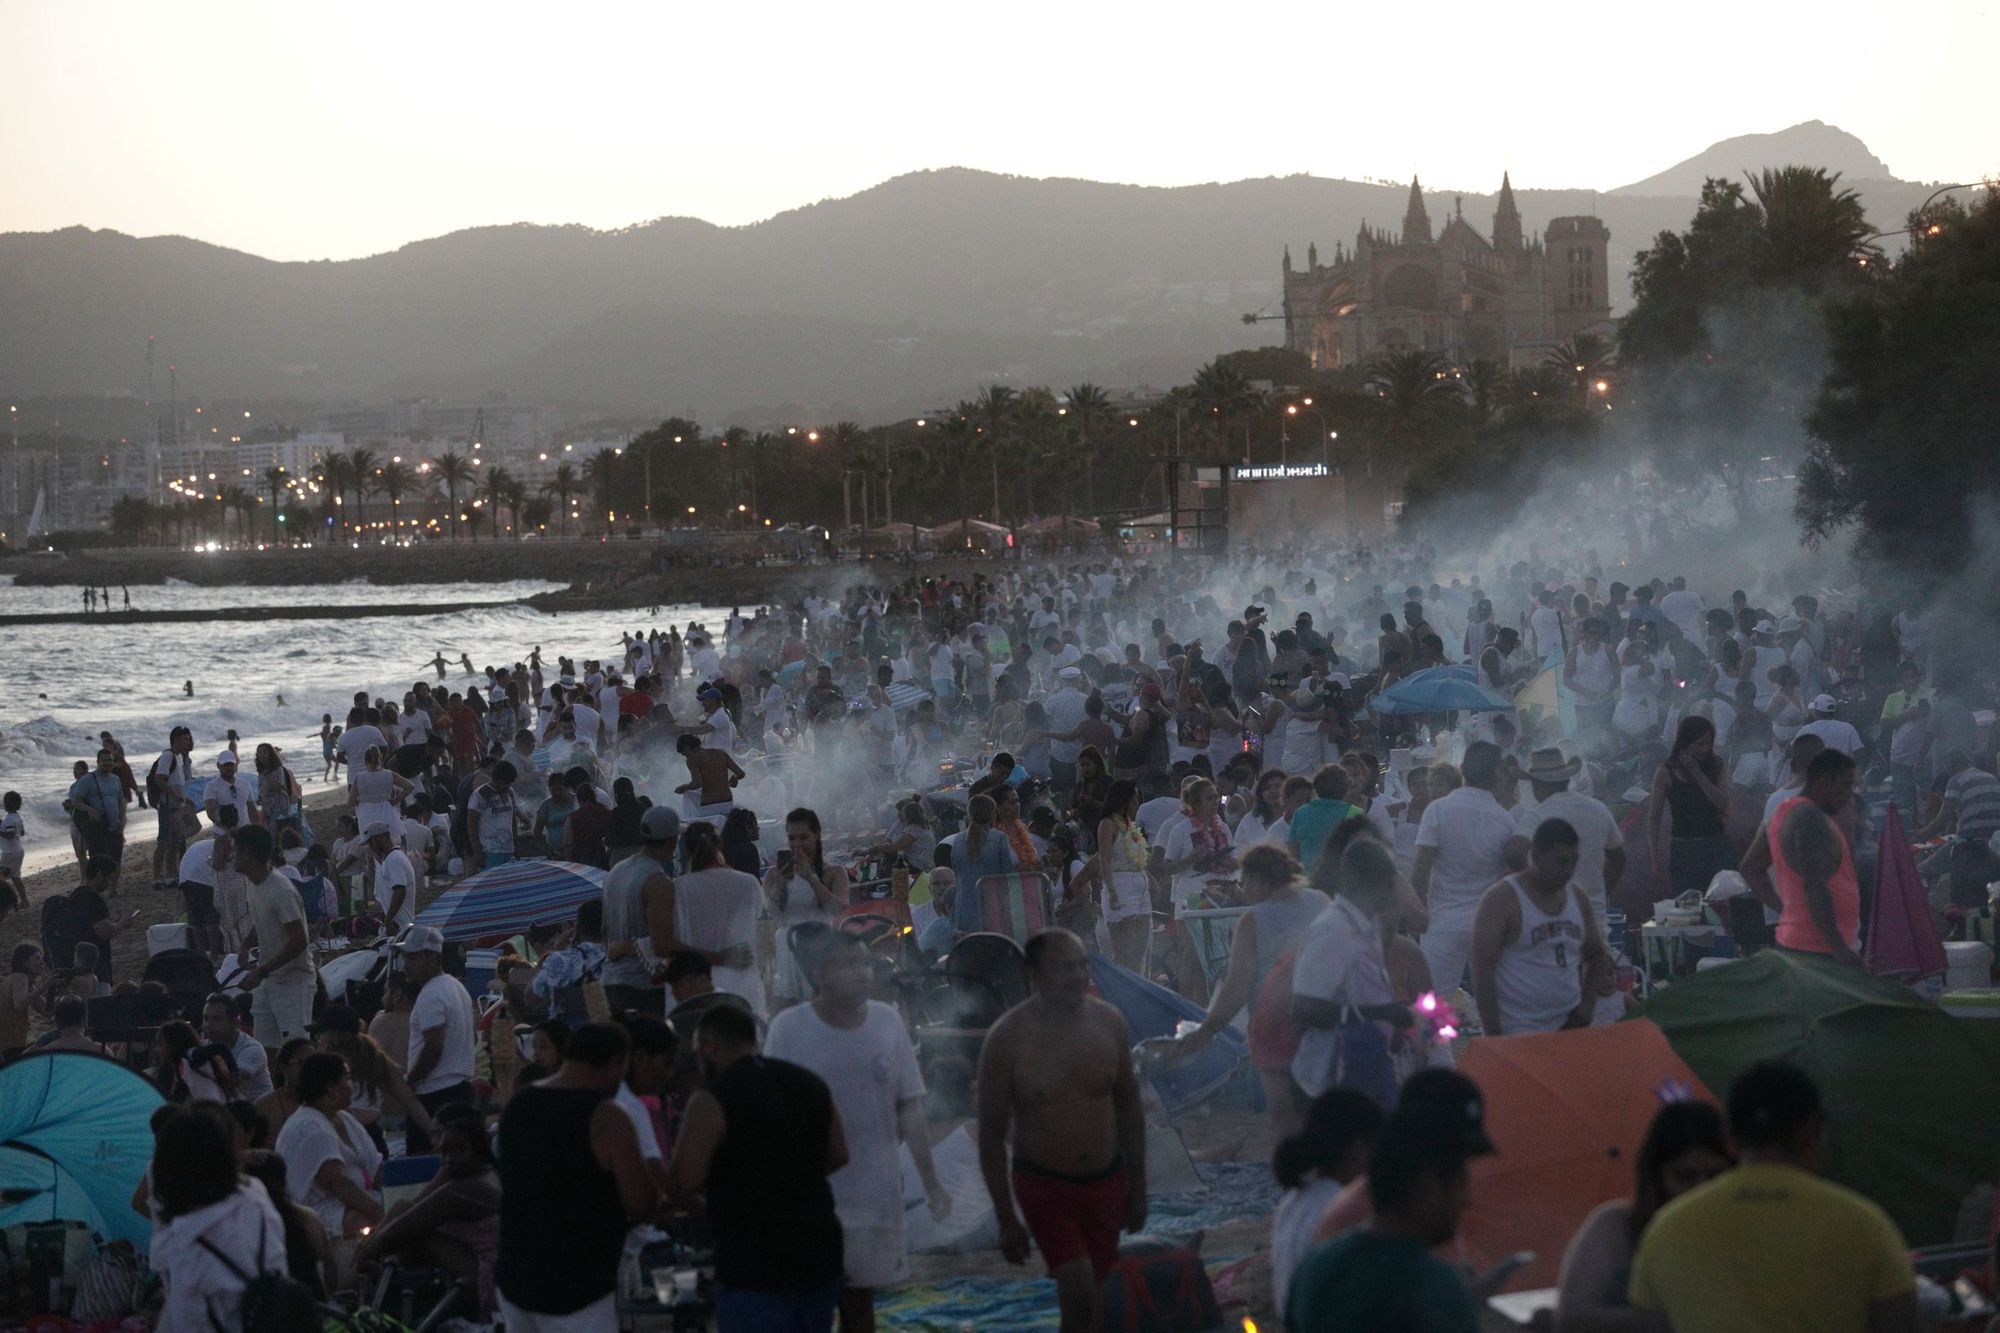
(508, 899)
(75, 1138)
(1440, 690)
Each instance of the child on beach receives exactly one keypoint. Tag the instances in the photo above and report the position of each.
(329, 739)
(12, 834)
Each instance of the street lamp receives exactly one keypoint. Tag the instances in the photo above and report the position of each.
(1327, 435)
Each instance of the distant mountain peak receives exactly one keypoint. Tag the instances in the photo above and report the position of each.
(1811, 143)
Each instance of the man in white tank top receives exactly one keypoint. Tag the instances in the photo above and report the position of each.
(1538, 957)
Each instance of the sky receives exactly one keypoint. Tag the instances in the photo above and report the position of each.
(312, 131)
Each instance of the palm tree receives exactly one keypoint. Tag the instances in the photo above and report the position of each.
(845, 442)
(130, 516)
(336, 475)
(1088, 405)
(562, 485)
(394, 479)
(1812, 230)
(536, 513)
(495, 490)
(1485, 385)
(993, 408)
(1223, 394)
(274, 484)
(1587, 356)
(1413, 388)
(601, 471)
(961, 432)
(362, 479)
(517, 496)
(453, 471)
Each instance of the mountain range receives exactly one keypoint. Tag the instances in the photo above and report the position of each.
(891, 301)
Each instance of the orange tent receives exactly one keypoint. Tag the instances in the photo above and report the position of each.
(1567, 1112)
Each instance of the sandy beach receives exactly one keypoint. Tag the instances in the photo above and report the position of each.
(323, 804)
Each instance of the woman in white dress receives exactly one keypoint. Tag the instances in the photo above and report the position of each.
(1121, 867)
(800, 887)
(715, 915)
(378, 792)
(330, 1162)
(1638, 710)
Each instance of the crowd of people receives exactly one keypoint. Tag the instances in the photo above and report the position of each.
(1138, 740)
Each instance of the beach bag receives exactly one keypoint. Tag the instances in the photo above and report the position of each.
(274, 1302)
(1274, 1038)
(1159, 1286)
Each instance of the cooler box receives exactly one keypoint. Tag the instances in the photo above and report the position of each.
(1971, 1003)
(479, 967)
(168, 935)
(1968, 966)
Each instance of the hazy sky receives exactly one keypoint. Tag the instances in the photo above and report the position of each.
(304, 131)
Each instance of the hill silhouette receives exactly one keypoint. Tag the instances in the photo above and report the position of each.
(890, 301)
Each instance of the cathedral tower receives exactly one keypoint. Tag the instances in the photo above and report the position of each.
(1416, 222)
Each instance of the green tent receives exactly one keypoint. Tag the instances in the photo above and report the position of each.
(1912, 1094)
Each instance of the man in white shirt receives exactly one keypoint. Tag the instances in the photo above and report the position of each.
(1684, 608)
(861, 1050)
(284, 980)
(1826, 725)
(395, 877)
(1065, 710)
(230, 787)
(1600, 846)
(253, 1065)
(354, 742)
(1465, 843)
(441, 1028)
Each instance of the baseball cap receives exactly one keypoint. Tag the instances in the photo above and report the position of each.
(1825, 703)
(1764, 627)
(419, 939)
(336, 1018)
(378, 829)
(659, 824)
(225, 758)
(1451, 1105)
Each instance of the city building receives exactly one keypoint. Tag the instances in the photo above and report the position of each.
(1510, 299)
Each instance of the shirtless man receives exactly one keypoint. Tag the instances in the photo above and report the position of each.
(713, 773)
(1057, 1071)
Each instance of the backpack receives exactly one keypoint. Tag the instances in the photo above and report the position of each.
(61, 931)
(274, 1302)
(1159, 1286)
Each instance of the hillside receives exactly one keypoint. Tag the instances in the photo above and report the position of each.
(890, 301)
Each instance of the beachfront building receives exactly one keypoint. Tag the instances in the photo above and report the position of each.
(1509, 298)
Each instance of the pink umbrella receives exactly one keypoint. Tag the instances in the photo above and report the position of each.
(1902, 938)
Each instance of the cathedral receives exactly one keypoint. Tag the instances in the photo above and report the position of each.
(1509, 299)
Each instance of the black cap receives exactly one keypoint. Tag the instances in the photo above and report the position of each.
(1453, 1104)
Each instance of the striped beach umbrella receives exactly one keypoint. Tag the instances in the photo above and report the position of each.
(508, 899)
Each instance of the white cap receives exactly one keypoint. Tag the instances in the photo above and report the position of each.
(419, 939)
(378, 829)
(226, 757)
(1825, 703)
(1764, 627)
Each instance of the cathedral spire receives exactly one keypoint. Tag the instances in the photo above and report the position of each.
(1288, 258)
(1506, 218)
(1416, 222)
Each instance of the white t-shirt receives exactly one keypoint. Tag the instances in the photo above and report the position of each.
(354, 743)
(870, 1070)
(307, 1142)
(442, 1003)
(589, 723)
(392, 872)
(1177, 842)
(1838, 735)
(1154, 814)
(1596, 833)
(1292, 1226)
(1470, 832)
(1340, 959)
(642, 1122)
(195, 865)
(724, 735)
(1252, 831)
(239, 792)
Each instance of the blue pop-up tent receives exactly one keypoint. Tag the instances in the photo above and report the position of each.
(1151, 1010)
(75, 1139)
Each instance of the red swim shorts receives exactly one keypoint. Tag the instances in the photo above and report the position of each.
(1072, 1217)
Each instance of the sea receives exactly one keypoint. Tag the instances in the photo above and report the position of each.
(270, 680)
